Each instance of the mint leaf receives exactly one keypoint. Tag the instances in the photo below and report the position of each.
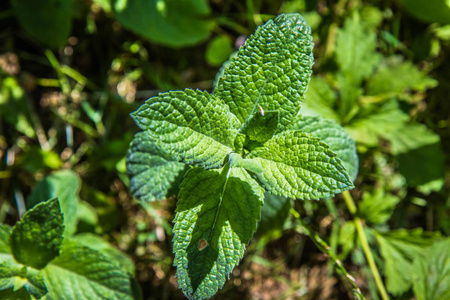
(36, 239)
(48, 22)
(193, 127)
(377, 208)
(64, 185)
(217, 212)
(14, 276)
(95, 242)
(431, 273)
(399, 248)
(298, 165)
(152, 172)
(261, 127)
(335, 136)
(169, 22)
(83, 273)
(271, 70)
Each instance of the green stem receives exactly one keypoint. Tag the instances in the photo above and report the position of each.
(365, 245)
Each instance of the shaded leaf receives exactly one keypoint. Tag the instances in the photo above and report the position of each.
(217, 213)
(275, 211)
(152, 172)
(377, 208)
(218, 50)
(429, 11)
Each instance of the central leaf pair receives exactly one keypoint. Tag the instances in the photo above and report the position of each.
(242, 140)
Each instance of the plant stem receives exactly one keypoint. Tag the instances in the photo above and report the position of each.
(365, 245)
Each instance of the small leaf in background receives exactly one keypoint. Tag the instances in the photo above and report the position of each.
(431, 273)
(416, 143)
(271, 70)
(335, 136)
(275, 211)
(347, 238)
(320, 100)
(429, 11)
(153, 174)
(83, 273)
(168, 22)
(14, 107)
(218, 50)
(399, 248)
(65, 186)
(192, 127)
(14, 277)
(36, 159)
(5, 232)
(395, 76)
(377, 208)
(36, 239)
(49, 22)
(298, 165)
(216, 216)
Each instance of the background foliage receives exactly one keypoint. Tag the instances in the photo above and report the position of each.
(72, 71)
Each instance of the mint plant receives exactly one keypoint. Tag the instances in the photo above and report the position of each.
(240, 141)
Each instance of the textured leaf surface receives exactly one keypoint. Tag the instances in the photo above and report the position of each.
(261, 127)
(15, 276)
(5, 232)
(216, 216)
(153, 173)
(298, 165)
(193, 127)
(37, 238)
(169, 22)
(49, 22)
(272, 70)
(336, 137)
(64, 185)
(83, 273)
(432, 273)
(399, 248)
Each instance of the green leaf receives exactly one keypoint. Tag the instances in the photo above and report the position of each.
(217, 213)
(49, 22)
(95, 242)
(394, 76)
(193, 127)
(431, 273)
(152, 172)
(271, 70)
(415, 142)
(83, 273)
(377, 208)
(347, 238)
(335, 136)
(320, 100)
(275, 211)
(298, 165)
(14, 276)
(169, 22)
(261, 127)
(356, 58)
(399, 248)
(429, 11)
(37, 238)
(5, 232)
(218, 50)
(65, 186)
(249, 164)
(377, 121)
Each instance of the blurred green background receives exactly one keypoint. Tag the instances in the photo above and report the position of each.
(71, 71)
